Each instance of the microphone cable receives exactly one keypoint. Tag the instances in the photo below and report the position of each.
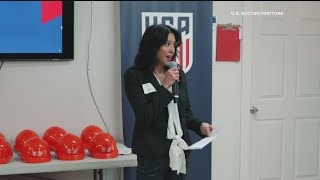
(1, 64)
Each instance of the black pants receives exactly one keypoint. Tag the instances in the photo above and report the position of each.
(156, 170)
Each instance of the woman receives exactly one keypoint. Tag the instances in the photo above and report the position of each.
(160, 135)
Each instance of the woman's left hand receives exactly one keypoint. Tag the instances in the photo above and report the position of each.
(206, 129)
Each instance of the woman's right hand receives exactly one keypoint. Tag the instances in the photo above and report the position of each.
(171, 76)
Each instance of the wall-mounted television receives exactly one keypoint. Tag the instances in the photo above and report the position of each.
(36, 30)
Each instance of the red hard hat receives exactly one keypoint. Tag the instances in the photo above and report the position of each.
(5, 151)
(103, 146)
(22, 137)
(36, 150)
(88, 133)
(70, 147)
(53, 135)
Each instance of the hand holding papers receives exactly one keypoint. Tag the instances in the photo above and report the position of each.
(203, 142)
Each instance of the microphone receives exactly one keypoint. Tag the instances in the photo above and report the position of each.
(175, 88)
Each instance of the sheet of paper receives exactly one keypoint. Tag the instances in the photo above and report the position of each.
(205, 141)
(122, 149)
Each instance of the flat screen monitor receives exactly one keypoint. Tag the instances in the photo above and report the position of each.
(36, 30)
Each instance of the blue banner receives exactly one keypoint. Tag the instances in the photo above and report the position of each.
(194, 21)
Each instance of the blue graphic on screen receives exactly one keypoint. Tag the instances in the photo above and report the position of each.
(23, 32)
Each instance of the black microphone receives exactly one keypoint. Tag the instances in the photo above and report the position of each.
(175, 88)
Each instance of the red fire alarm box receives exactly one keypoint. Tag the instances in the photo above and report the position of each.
(228, 43)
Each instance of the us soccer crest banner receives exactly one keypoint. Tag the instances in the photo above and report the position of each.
(194, 21)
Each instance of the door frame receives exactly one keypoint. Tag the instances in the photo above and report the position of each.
(245, 119)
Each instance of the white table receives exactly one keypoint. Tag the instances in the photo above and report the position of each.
(18, 166)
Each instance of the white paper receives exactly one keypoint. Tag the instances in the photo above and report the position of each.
(122, 149)
(203, 142)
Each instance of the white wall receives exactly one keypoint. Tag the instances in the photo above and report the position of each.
(38, 95)
(226, 110)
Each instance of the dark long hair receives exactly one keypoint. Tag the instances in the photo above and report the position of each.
(153, 38)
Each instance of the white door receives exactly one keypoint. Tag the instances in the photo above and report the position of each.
(280, 138)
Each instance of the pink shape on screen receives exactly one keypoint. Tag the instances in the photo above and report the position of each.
(50, 10)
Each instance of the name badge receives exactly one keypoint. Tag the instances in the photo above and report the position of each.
(148, 88)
